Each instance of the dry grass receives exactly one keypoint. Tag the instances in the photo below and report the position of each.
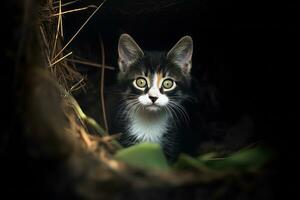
(62, 67)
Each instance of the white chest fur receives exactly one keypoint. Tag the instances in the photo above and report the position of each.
(148, 131)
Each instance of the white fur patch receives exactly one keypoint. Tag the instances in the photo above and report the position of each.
(162, 100)
(148, 131)
(144, 100)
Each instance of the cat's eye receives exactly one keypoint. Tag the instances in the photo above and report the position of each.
(168, 84)
(141, 82)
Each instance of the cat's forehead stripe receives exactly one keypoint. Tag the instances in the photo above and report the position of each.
(159, 78)
(156, 78)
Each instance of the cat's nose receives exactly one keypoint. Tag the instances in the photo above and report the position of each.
(153, 99)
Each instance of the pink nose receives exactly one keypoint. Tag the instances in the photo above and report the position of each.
(153, 99)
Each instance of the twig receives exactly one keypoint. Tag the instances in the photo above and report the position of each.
(102, 85)
(57, 30)
(65, 4)
(75, 86)
(52, 64)
(89, 63)
(61, 24)
(44, 37)
(70, 11)
(46, 44)
(83, 25)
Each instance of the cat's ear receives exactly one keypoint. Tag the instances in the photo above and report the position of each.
(181, 54)
(129, 52)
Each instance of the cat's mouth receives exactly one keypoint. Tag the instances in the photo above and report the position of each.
(152, 108)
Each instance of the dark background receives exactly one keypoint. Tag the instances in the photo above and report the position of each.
(243, 53)
(246, 53)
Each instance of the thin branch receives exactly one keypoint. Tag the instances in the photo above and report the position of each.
(44, 37)
(54, 63)
(75, 86)
(69, 11)
(46, 44)
(102, 85)
(65, 4)
(59, 23)
(89, 63)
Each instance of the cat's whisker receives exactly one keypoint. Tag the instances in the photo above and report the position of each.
(133, 107)
(126, 99)
(173, 115)
(126, 107)
(137, 107)
(183, 112)
(185, 98)
(124, 104)
(180, 110)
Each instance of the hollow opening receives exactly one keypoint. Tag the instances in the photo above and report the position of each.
(224, 151)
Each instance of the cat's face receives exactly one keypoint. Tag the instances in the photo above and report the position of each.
(154, 81)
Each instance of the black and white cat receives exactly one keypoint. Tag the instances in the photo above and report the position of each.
(153, 87)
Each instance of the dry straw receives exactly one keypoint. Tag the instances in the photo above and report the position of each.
(62, 67)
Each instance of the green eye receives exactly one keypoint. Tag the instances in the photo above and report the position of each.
(168, 83)
(141, 82)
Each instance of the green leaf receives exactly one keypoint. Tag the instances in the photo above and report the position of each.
(187, 162)
(248, 159)
(244, 160)
(208, 156)
(144, 155)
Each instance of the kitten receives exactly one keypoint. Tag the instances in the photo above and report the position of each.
(154, 86)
